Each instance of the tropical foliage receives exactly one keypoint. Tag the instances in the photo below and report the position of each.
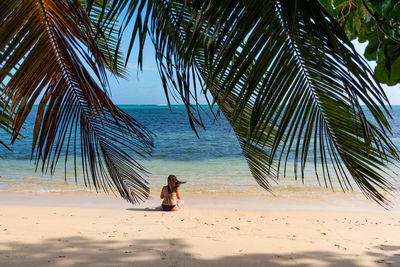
(377, 22)
(5, 117)
(49, 42)
(283, 73)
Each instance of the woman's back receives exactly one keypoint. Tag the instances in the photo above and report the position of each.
(170, 198)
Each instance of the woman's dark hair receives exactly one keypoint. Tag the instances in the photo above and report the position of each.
(173, 183)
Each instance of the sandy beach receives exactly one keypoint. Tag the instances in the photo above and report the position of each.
(97, 230)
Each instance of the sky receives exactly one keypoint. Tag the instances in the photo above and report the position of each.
(141, 87)
(146, 88)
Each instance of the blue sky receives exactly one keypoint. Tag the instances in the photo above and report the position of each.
(146, 88)
(141, 87)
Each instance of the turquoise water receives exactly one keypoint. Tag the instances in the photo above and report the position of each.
(211, 163)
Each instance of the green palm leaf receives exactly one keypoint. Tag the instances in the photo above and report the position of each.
(50, 43)
(106, 35)
(286, 77)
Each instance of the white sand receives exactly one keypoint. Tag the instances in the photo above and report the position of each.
(97, 230)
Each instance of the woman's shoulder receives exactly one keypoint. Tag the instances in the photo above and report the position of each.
(165, 188)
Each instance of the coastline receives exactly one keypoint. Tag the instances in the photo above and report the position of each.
(282, 200)
(88, 229)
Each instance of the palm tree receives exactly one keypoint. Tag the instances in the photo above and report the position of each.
(282, 72)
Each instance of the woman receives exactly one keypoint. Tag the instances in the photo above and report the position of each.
(170, 193)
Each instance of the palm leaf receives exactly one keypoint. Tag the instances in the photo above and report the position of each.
(6, 118)
(106, 35)
(287, 79)
(50, 44)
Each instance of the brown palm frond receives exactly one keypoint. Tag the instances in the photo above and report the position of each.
(6, 119)
(53, 42)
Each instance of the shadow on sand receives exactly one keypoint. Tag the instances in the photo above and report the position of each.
(78, 251)
(145, 209)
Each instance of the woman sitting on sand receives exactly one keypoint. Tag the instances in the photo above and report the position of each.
(170, 193)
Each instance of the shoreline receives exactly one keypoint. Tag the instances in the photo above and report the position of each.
(225, 201)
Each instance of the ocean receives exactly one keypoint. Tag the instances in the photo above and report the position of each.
(212, 163)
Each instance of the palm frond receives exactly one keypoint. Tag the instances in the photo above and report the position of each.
(52, 42)
(285, 76)
(106, 35)
(6, 119)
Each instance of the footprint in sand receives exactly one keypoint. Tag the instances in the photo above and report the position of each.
(163, 255)
(340, 247)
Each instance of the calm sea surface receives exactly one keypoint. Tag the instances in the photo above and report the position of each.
(211, 163)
